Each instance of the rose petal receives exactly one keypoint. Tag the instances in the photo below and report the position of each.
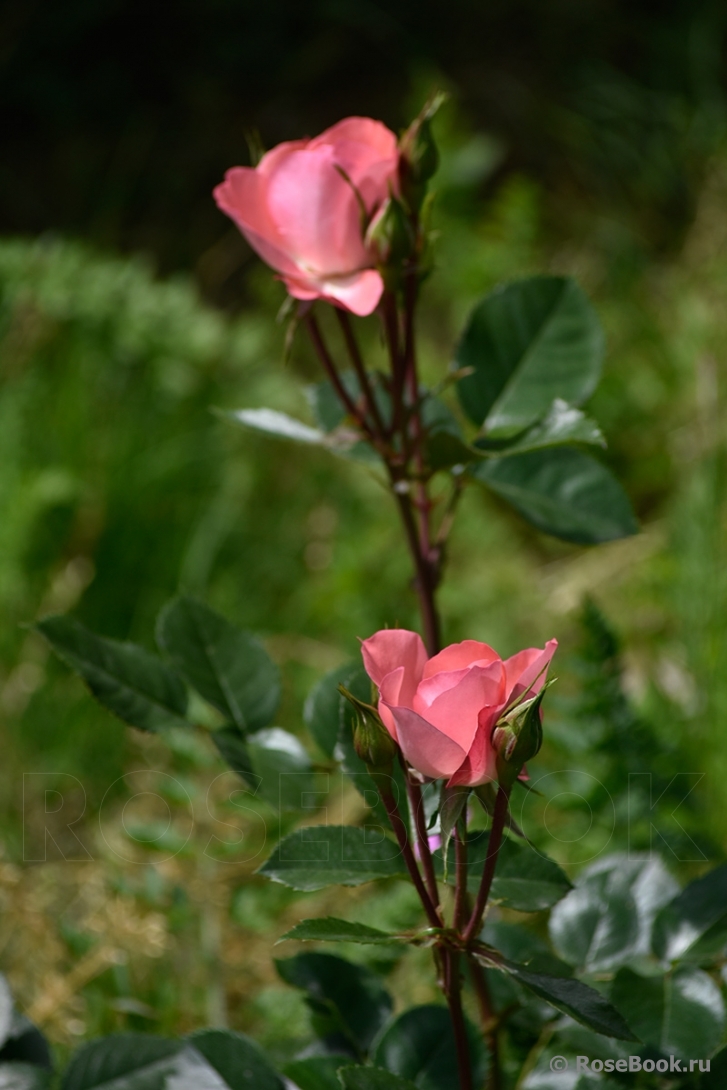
(360, 292)
(455, 711)
(317, 213)
(389, 693)
(426, 748)
(391, 648)
(480, 764)
(528, 670)
(242, 196)
(368, 153)
(460, 655)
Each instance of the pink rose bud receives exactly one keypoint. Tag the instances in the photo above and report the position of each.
(442, 711)
(306, 205)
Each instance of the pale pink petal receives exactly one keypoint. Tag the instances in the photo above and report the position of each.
(455, 712)
(459, 655)
(317, 214)
(391, 648)
(272, 159)
(368, 153)
(430, 688)
(242, 196)
(480, 764)
(360, 292)
(389, 694)
(425, 748)
(527, 671)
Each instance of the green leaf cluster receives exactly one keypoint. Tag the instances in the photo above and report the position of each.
(530, 356)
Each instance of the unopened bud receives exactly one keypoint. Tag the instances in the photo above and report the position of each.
(390, 236)
(371, 740)
(419, 157)
(517, 738)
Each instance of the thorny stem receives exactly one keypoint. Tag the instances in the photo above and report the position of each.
(360, 369)
(460, 864)
(406, 426)
(424, 587)
(402, 836)
(499, 818)
(330, 369)
(416, 804)
(391, 333)
(453, 994)
(489, 1020)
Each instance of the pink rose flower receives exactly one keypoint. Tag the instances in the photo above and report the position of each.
(442, 711)
(300, 210)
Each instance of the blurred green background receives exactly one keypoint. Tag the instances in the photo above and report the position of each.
(583, 138)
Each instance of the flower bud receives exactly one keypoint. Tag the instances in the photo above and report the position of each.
(372, 742)
(419, 157)
(390, 237)
(517, 738)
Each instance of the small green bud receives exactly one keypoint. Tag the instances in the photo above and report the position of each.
(390, 235)
(371, 740)
(419, 157)
(517, 738)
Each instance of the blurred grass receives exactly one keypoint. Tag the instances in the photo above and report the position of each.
(118, 486)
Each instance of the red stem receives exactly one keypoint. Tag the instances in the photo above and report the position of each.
(488, 1017)
(402, 836)
(416, 804)
(499, 818)
(330, 369)
(360, 369)
(453, 993)
(460, 888)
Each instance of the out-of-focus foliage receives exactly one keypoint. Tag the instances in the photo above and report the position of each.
(120, 134)
(118, 487)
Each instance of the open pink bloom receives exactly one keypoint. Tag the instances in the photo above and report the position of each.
(300, 210)
(442, 710)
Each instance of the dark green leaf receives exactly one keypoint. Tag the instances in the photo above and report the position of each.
(131, 1061)
(606, 920)
(233, 748)
(444, 450)
(572, 997)
(525, 879)
(372, 1078)
(15, 1075)
(562, 424)
(562, 492)
(367, 784)
(345, 999)
(277, 424)
(419, 1045)
(317, 1072)
(445, 445)
(528, 343)
(286, 779)
(681, 1013)
(225, 664)
(324, 706)
(716, 1078)
(25, 1044)
(522, 944)
(237, 1060)
(452, 804)
(329, 855)
(694, 923)
(327, 408)
(126, 679)
(6, 1009)
(330, 929)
